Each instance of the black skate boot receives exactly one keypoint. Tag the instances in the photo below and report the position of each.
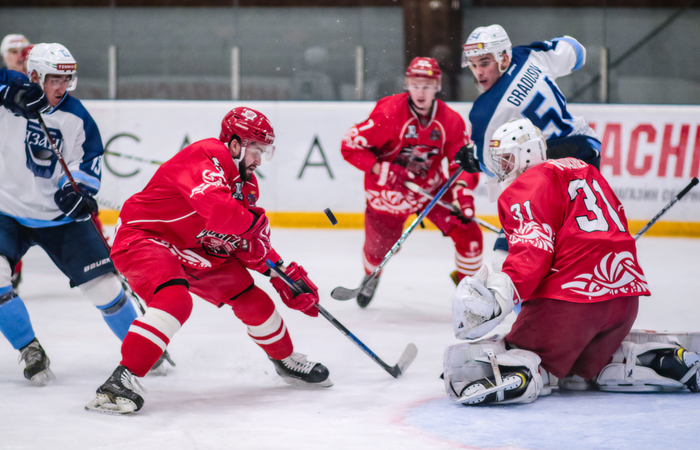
(37, 370)
(120, 394)
(297, 371)
(675, 363)
(367, 293)
(485, 391)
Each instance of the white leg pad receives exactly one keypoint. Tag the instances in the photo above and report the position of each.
(467, 362)
(626, 374)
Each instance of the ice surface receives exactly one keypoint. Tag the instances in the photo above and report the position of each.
(224, 392)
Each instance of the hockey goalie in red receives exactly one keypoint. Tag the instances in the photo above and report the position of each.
(196, 227)
(406, 139)
(573, 265)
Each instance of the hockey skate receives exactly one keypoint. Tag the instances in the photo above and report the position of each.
(676, 363)
(298, 371)
(160, 369)
(37, 370)
(367, 293)
(120, 394)
(485, 391)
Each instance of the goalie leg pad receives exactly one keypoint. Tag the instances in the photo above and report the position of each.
(485, 372)
(650, 362)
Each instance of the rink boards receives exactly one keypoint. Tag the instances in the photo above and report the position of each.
(649, 153)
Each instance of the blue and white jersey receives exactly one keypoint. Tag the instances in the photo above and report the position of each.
(30, 173)
(527, 89)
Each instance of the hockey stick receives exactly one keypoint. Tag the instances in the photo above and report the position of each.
(342, 293)
(407, 357)
(93, 218)
(675, 199)
(135, 158)
(418, 190)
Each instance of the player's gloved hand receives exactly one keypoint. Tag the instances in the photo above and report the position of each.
(307, 300)
(463, 201)
(392, 176)
(255, 241)
(466, 158)
(25, 99)
(78, 205)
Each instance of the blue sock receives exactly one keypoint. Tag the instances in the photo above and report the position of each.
(14, 319)
(119, 314)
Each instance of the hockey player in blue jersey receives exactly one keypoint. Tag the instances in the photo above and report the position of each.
(517, 82)
(38, 206)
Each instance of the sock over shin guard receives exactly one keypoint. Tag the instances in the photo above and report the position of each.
(15, 324)
(149, 335)
(265, 325)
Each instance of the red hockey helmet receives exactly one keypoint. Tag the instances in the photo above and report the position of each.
(424, 67)
(250, 126)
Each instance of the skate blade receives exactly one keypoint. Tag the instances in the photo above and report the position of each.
(102, 404)
(477, 394)
(43, 378)
(303, 384)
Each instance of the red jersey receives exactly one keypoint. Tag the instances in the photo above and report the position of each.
(567, 236)
(395, 133)
(195, 204)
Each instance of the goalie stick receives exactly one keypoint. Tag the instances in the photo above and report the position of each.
(342, 293)
(407, 357)
(418, 190)
(673, 201)
(93, 218)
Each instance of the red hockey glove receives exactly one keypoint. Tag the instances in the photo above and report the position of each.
(255, 241)
(392, 176)
(464, 201)
(302, 302)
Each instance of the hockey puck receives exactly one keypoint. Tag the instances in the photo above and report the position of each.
(330, 216)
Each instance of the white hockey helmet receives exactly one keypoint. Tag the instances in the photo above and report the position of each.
(13, 41)
(515, 147)
(484, 40)
(52, 59)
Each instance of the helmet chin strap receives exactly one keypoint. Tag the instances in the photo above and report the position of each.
(240, 156)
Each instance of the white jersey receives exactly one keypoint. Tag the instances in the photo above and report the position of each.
(527, 89)
(30, 173)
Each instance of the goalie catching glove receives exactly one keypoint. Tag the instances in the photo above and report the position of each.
(481, 303)
(307, 299)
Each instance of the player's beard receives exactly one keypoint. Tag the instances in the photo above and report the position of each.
(243, 172)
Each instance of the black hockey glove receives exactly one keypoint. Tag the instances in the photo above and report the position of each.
(466, 158)
(25, 99)
(76, 205)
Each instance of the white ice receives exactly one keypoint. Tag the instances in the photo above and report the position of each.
(224, 392)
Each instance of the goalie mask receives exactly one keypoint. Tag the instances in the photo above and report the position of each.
(515, 147)
(52, 59)
(484, 40)
(252, 128)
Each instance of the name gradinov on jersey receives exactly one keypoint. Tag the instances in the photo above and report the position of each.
(525, 84)
(96, 264)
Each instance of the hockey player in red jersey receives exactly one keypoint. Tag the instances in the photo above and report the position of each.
(573, 265)
(196, 227)
(406, 138)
